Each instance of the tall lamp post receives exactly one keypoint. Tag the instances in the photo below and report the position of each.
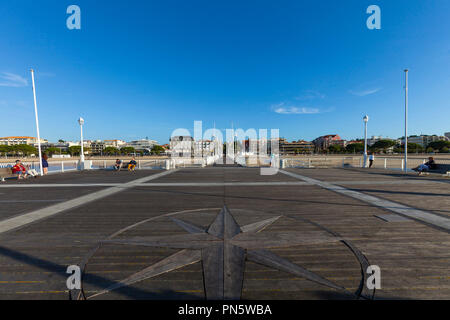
(365, 119)
(81, 123)
(405, 168)
(37, 124)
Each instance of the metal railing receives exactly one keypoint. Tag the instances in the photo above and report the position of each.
(356, 162)
(141, 164)
(53, 166)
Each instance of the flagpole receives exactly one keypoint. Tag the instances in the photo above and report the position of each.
(37, 124)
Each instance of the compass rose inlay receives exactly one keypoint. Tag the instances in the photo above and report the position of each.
(223, 249)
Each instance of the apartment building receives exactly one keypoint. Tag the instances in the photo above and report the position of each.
(11, 141)
(296, 147)
(114, 143)
(97, 146)
(424, 140)
(145, 145)
(181, 146)
(323, 142)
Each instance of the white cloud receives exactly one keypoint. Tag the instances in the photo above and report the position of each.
(282, 109)
(310, 95)
(362, 93)
(12, 80)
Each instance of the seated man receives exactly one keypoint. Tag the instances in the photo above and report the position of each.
(132, 165)
(20, 170)
(118, 165)
(32, 172)
(430, 165)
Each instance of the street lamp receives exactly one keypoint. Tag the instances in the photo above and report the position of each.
(365, 119)
(406, 121)
(37, 124)
(81, 122)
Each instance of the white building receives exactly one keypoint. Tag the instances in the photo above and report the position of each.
(373, 140)
(424, 140)
(204, 148)
(181, 146)
(12, 141)
(143, 144)
(115, 143)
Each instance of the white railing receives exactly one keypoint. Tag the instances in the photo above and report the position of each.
(141, 164)
(297, 162)
(356, 162)
(53, 166)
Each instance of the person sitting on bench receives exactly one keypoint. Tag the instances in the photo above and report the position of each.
(32, 172)
(430, 165)
(132, 165)
(118, 165)
(20, 170)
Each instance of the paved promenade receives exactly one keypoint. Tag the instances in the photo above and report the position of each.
(226, 233)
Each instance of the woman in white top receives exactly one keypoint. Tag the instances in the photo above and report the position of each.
(371, 160)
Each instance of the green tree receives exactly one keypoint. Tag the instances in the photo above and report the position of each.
(438, 145)
(23, 150)
(412, 148)
(355, 147)
(157, 149)
(335, 148)
(445, 150)
(383, 145)
(52, 150)
(415, 148)
(127, 150)
(75, 150)
(5, 150)
(111, 151)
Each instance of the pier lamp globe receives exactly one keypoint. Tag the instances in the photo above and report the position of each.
(366, 118)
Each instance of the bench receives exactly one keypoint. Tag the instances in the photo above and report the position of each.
(6, 173)
(441, 168)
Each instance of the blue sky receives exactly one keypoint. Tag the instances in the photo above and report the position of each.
(141, 69)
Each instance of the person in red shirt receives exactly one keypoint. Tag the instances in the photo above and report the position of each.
(20, 170)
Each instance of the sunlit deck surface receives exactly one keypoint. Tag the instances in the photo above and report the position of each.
(82, 208)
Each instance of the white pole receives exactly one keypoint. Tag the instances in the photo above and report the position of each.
(366, 119)
(81, 122)
(406, 120)
(37, 124)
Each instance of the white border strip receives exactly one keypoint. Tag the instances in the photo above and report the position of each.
(214, 184)
(168, 184)
(18, 221)
(421, 215)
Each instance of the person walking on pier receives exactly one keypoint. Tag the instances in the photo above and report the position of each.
(371, 160)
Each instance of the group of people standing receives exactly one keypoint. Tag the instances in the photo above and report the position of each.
(24, 172)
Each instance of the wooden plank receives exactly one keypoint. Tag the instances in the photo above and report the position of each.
(212, 258)
(234, 265)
